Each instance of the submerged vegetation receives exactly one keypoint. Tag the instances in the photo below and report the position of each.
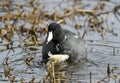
(24, 25)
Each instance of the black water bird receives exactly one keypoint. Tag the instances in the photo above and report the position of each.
(61, 41)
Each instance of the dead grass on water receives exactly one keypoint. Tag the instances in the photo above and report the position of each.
(39, 19)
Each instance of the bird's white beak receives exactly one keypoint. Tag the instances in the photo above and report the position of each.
(50, 37)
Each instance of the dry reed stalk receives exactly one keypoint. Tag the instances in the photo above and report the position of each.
(90, 77)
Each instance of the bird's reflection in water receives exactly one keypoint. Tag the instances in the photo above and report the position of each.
(60, 72)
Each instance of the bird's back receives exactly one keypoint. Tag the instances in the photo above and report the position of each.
(75, 48)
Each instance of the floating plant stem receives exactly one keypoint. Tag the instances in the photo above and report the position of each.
(108, 72)
(90, 77)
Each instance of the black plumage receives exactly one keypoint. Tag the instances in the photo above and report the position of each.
(64, 42)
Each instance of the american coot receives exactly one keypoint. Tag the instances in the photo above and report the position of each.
(60, 41)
